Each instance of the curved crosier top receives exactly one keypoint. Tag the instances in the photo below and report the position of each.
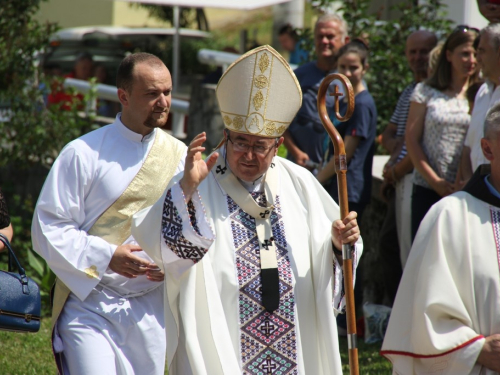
(259, 94)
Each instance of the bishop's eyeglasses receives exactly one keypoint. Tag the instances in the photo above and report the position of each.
(245, 147)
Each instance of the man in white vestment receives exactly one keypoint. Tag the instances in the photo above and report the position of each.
(247, 241)
(446, 317)
(108, 299)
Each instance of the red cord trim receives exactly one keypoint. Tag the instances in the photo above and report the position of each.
(384, 353)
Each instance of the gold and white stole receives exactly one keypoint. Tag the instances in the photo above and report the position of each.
(268, 256)
(144, 190)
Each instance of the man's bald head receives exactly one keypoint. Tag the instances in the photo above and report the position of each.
(418, 45)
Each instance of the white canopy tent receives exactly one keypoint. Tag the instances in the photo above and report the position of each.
(227, 4)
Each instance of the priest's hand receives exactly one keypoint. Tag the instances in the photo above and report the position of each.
(196, 169)
(345, 231)
(154, 273)
(489, 356)
(124, 262)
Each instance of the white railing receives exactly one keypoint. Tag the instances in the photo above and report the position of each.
(218, 58)
(178, 109)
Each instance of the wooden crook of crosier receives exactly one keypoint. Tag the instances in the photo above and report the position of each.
(341, 169)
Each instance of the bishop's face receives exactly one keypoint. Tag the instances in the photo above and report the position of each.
(250, 156)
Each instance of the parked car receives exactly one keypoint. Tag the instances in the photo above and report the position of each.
(110, 44)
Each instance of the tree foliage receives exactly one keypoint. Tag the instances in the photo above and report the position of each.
(31, 133)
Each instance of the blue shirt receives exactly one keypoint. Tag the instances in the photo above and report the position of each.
(298, 55)
(306, 129)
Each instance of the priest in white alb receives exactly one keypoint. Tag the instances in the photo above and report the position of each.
(446, 316)
(108, 299)
(250, 241)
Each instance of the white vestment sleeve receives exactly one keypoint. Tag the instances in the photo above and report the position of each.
(186, 232)
(56, 234)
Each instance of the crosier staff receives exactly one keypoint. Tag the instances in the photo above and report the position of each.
(341, 170)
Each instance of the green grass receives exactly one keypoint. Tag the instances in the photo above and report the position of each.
(370, 361)
(27, 353)
(31, 354)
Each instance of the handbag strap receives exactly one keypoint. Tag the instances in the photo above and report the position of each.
(12, 255)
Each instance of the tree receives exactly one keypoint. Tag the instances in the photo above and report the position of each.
(31, 133)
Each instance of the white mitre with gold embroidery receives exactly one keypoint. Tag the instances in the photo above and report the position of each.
(259, 94)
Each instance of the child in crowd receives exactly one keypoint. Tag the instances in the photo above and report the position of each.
(358, 132)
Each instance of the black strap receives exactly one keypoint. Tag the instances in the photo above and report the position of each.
(12, 256)
(270, 281)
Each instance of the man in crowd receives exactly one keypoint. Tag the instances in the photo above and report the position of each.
(250, 241)
(289, 40)
(446, 317)
(305, 137)
(395, 238)
(490, 9)
(488, 58)
(82, 70)
(108, 302)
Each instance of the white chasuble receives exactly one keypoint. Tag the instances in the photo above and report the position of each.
(215, 320)
(448, 299)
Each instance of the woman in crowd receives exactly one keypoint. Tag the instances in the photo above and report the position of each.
(5, 225)
(438, 120)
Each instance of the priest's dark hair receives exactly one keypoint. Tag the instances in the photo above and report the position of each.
(125, 74)
(492, 122)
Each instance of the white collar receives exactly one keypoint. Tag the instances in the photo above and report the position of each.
(131, 135)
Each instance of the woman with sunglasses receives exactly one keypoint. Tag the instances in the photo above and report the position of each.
(438, 120)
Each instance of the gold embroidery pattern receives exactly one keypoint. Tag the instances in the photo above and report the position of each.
(281, 129)
(258, 100)
(270, 128)
(92, 272)
(260, 82)
(238, 122)
(227, 120)
(254, 123)
(263, 62)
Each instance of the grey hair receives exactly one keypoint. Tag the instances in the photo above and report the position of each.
(335, 18)
(492, 122)
(493, 30)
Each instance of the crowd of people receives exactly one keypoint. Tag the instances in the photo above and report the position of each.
(232, 263)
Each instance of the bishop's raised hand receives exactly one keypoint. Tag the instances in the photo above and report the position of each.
(196, 169)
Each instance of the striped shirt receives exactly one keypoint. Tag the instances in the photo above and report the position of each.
(400, 116)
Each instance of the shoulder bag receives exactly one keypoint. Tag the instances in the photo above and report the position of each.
(20, 303)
